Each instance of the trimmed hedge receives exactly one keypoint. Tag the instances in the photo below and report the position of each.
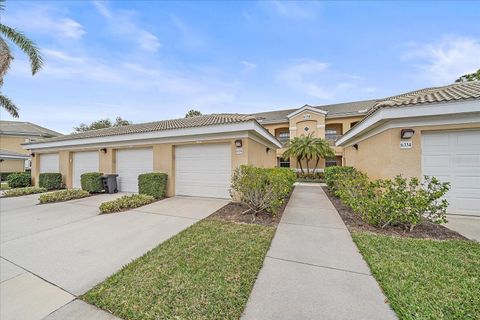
(23, 191)
(262, 189)
(19, 180)
(125, 203)
(153, 184)
(4, 175)
(50, 180)
(63, 195)
(397, 202)
(92, 182)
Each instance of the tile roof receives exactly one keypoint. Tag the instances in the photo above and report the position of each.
(453, 92)
(200, 121)
(338, 109)
(26, 128)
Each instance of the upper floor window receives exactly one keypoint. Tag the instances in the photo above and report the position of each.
(331, 134)
(283, 136)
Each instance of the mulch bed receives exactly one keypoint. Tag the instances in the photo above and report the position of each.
(426, 230)
(235, 212)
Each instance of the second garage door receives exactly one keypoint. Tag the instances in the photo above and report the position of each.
(203, 170)
(84, 162)
(131, 163)
(454, 156)
(49, 163)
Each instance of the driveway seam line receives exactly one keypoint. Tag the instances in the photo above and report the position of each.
(163, 214)
(320, 266)
(36, 275)
(307, 225)
(18, 275)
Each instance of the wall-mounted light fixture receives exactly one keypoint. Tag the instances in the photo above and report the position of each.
(268, 149)
(32, 155)
(1, 160)
(355, 146)
(104, 150)
(407, 133)
(238, 143)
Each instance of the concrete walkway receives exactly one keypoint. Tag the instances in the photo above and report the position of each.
(467, 226)
(313, 269)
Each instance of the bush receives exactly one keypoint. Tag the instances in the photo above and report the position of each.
(398, 202)
(125, 203)
(63, 195)
(92, 182)
(50, 180)
(310, 177)
(23, 191)
(19, 180)
(153, 184)
(262, 189)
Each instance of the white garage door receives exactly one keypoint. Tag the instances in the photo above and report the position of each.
(131, 163)
(84, 162)
(454, 156)
(203, 170)
(49, 163)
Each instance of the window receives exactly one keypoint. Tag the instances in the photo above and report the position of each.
(283, 163)
(283, 136)
(330, 162)
(331, 134)
(28, 164)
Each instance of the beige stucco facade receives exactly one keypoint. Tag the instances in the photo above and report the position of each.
(7, 165)
(252, 152)
(13, 143)
(381, 157)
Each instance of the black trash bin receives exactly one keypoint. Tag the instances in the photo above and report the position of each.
(110, 183)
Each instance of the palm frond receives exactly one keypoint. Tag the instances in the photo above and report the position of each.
(26, 45)
(9, 106)
(5, 59)
(2, 5)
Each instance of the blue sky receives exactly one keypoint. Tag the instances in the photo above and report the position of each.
(149, 60)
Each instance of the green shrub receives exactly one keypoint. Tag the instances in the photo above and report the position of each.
(153, 184)
(92, 182)
(19, 180)
(310, 177)
(398, 202)
(125, 203)
(63, 195)
(50, 180)
(23, 191)
(262, 189)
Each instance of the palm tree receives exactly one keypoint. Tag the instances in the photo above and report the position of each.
(308, 148)
(6, 57)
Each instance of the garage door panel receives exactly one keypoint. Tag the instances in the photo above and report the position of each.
(130, 163)
(84, 162)
(203, 170)
(49, 163)
(454, 156)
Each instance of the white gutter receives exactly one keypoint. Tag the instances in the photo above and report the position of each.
(385, 114)
(184, 132)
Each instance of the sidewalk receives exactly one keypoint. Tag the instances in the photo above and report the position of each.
(313, 269)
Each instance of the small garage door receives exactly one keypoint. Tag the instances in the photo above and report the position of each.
(84, 162)
(49, 163)
(131, 163)
(454, 156)
(203, 170)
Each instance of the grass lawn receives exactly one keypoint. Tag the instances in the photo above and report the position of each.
(205, 272)
(4, 186)
(425, 279)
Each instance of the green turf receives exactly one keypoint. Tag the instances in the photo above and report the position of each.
(205, 272)
(425, 279)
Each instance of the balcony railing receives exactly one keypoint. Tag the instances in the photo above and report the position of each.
(331, 138)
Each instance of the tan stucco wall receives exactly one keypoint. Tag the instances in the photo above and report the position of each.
(9, 165)
(261, 156)
(13, 143)
(345, 122)
(107, 161)
(380, 156)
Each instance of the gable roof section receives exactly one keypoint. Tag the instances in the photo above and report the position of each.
(7, 154)
(25, 129)
(206, 124)
(333, 110)
(428, 97)
(306, 108)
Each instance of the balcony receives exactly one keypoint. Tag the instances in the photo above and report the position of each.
(331, 138)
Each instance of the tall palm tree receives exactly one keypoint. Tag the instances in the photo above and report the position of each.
(308, 148)
(6, 57)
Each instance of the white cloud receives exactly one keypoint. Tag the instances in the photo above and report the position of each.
(45, 20)
(304, 77)
(249, 66)
(291, 9)
(123, 23)
(445, 60)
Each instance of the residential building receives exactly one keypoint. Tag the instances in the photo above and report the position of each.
(13, 157)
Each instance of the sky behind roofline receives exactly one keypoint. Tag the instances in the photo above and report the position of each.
(148, 61)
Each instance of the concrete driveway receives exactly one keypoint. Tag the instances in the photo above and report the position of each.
(52, 253)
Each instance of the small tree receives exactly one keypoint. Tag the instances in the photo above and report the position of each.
(308, 148)
(469, 77)
(193, 113)
(101, 124)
